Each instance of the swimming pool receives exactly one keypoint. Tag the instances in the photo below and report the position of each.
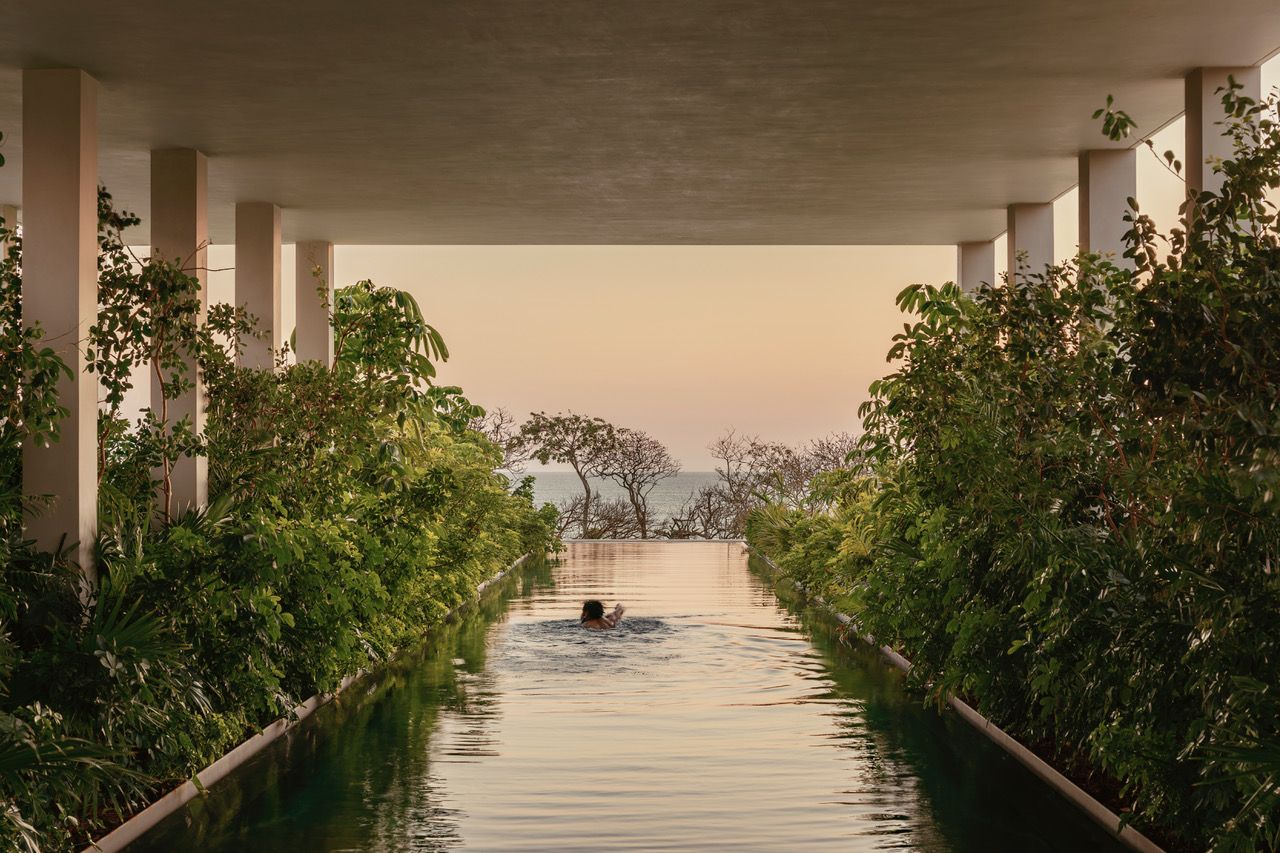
(715, 717)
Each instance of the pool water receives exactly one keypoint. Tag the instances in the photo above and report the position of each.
(714, 717)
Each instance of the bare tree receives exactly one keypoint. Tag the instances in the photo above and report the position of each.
(569, 513)
(834, 458)
(720, 511)
(610, 519)
(734, 454)
(754, 472)
(778, 471)
(500, 427)
(638, 462)
(835, 451)
(706, 514)
(741, 469)
(789, 473)
(614, 519)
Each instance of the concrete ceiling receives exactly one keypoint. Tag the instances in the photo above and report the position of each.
(597, 121)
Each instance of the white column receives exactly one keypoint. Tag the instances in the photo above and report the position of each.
(1030, 233)
(60, 293)
(314, 273)
(1204, 112)
(258, 278)
(180, 234)
(1108, 179)
(975, 265)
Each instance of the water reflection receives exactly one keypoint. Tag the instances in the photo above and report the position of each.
(713, 717)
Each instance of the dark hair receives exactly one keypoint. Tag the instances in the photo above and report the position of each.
(592, 610)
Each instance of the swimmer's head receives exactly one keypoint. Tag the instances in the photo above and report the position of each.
(592, 610)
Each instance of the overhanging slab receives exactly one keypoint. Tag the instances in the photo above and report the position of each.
(581, 121)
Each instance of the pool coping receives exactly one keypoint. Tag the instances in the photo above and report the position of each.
(1099, 813)
(144, 821)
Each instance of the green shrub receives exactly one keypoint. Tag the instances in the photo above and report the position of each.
(1075, 519)
(352, 510)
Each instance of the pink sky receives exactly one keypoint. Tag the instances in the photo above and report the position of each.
(681, 341)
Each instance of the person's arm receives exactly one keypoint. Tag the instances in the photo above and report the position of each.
(616, 616)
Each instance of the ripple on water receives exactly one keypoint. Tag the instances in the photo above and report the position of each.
(564, 647)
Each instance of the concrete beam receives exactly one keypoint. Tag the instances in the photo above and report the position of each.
(313, 300)
(1205, 139)
(975, 265)
(180, 234)
(258, 279)
(1108, 179)
(60, 294)
(1030, 233)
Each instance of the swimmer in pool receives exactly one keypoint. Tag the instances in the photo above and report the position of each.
(594, 617)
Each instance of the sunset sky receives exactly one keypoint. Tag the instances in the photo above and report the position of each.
(681, 341)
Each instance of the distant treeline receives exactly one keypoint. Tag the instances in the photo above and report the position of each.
(751, 473)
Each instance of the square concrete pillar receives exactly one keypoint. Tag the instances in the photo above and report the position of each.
(313, 274)
(1205, 140)
(1108, 179)
(1030, 233)
(180, 234)
(258, 278)
(975, 265)
(60, 294)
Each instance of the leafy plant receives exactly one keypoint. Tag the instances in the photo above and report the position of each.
(352, 509)
(29, 374)
(1074, 517)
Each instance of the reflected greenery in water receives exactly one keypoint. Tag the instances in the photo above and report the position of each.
(717, 717)
(371, 741)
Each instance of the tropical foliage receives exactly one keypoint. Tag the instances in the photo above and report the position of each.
(1071, 517)
(352, 508)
